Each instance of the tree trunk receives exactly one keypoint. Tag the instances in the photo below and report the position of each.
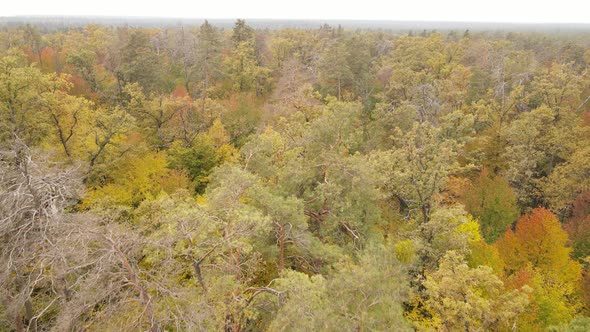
(204, 93)
(30, 316)
(235, 255)
(199, 275)
(18, 322)
(281, 248)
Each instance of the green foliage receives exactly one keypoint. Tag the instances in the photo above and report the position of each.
(359, 297)
(242, 32)
(569, 180)
(335, 70)
(199, 179)
(83, 62)
(243, 118)
(139, 63)
(419, 166)
(491, 200)
(22, 89)
(538, 143)
(449, 228)
(208, 57)
(244, 72)
(578, 226)
(198, 161)
(578, 324)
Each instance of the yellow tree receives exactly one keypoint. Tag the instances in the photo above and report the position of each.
(471, 299)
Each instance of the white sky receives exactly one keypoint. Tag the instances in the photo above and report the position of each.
(528, 11)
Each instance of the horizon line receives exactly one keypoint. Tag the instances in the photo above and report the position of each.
(100, 16)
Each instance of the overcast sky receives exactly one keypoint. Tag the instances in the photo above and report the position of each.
(527, 11)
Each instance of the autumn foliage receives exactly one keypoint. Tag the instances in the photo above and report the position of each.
(199, 178)
(536, 253)
(578, 226)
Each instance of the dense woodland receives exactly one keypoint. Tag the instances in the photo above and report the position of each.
(208, 179)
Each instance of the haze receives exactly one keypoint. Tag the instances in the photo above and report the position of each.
(565, 11)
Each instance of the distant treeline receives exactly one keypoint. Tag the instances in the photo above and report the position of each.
(61, 22)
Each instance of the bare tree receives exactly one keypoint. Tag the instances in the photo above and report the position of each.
(33, 192)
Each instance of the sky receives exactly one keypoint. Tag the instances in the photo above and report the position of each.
(525, 11)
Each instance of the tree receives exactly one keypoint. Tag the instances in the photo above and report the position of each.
(491, 200)
(155, 115)
(183, 51)
(109, 140)
(38, 108)
(136, 178)
(557, 86)
(139, 62)
(334, 67)
(578, 324)
(339, 183)
(537, 251)
(69, 119)
(539, 142)
(419, 167)
(22, 88)
(33, 194)
(568, 180)
(34, 41)
(198, 160)
(208, 58)
(288, 218)
(359, 297)
(471, 299)
(242, 32)
(281, 49)
(578, 226)
(244, 71)
(537, 239)
(450, 229)
(360, 60)
(83, 63)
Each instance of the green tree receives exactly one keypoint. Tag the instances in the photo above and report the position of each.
(361, 297)
(419, 167)
(578, 226)
(197, 160)
(334, 68)
(156, 116)
(288, 219)
(83, 62)
(242, 32)
(491, 200)
(244, 71)
(208, 58)
(568, 180)
(139, 62)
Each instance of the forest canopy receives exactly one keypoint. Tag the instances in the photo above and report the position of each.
(200, 178)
